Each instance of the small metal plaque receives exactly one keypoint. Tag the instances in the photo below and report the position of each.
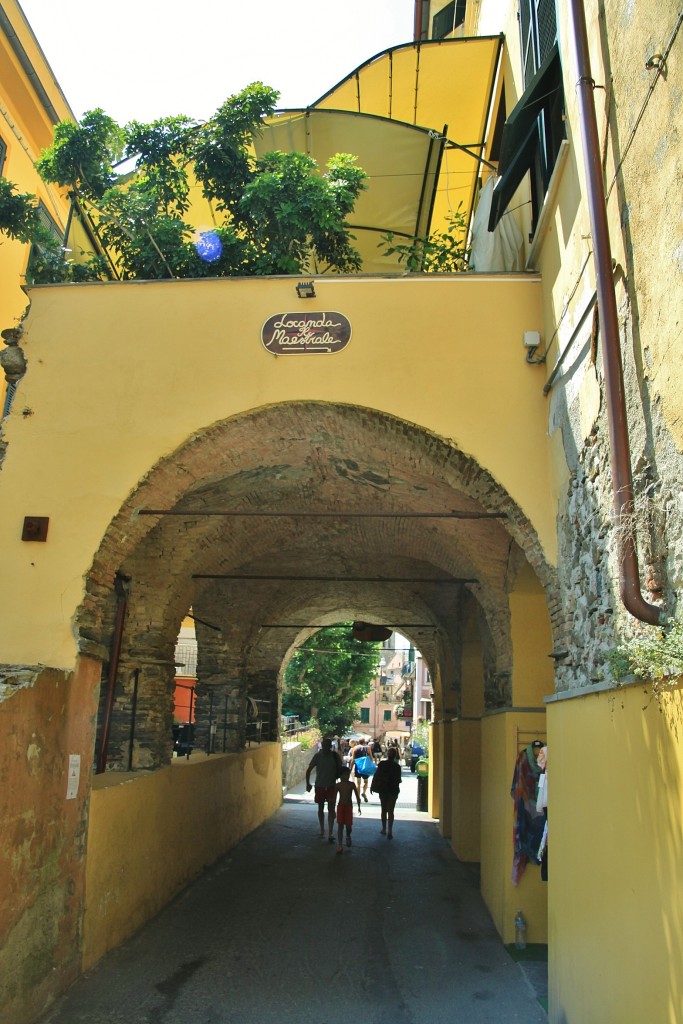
(305, 333)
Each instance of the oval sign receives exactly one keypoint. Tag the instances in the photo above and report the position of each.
(309, 333)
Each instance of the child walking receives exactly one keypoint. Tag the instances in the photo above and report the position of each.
(346, 789)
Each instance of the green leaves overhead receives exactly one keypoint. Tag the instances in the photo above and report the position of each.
(220, 149)
(18, 212)
(328, 676)
(291, 211)
(82, 156)
(277, 215)
(20, 220)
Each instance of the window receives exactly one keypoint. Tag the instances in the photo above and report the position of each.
(449, 18)
(387, 716)
(538, 28)
(50, 224)
(3, 154)
(365, 716)
(533, 132)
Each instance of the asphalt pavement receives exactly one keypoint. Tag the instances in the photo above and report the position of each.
(283, 929)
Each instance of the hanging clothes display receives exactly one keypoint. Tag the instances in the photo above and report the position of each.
(542, 808)
(528, 822)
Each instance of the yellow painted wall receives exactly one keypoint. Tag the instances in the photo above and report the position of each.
(440, 778)
(500, 733)
(150, 834)
(466, 763)
(80, 441)
(466, 790)
(436, 767)
(645, 231)
(446, 781)
(532, 669)
(615, 784)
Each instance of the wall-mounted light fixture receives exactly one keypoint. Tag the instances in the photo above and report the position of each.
(305, 290)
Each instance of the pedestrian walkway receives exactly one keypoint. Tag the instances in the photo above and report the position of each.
(284, 930)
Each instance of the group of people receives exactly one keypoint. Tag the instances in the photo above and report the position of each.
(335, 788)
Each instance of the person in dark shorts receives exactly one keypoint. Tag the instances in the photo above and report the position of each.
(327, 765)
(346, 790)
(386, 782)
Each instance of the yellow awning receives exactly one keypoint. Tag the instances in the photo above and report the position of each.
(401, 161)
(415, 116)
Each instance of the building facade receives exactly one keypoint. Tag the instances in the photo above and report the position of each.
(382, 714)
(519, 469)
(32, 104)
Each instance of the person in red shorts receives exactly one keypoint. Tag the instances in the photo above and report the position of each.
(328, 765)
(346, 789)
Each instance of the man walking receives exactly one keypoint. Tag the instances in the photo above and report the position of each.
(328, 765)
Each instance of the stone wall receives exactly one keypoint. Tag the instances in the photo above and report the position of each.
(295, 761)
(637, 118)
(46, 723)
(596, 620)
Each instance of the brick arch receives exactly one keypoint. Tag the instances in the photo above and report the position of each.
(307, 456)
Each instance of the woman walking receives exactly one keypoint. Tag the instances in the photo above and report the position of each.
(386, 782)
(362, 749)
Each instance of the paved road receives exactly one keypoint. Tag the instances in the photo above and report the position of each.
(284, 930)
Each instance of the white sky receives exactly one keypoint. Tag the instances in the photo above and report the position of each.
(144, 59)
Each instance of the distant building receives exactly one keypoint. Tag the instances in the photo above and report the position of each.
(382, 712)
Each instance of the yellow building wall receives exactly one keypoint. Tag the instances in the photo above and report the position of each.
(437, 754)
(26, 129)
(151, 834)
(501, 732)
(446, 780)
(532, 668)
(615, 785)
(466, 794)
(80, 441)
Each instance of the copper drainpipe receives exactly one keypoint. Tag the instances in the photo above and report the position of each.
(121, 584)
(622, 481)
(417, 29)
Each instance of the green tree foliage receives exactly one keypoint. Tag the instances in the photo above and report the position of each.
(82, 156)
(20, 220)
(271, 216)
(652, 653)
(18, 212)
(328, 676)
(289, 210)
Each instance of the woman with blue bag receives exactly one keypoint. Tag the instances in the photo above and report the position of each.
(363, 764)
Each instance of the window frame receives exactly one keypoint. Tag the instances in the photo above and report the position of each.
(452, 16)
(531, 139)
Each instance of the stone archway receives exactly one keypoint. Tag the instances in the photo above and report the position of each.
(371, 516)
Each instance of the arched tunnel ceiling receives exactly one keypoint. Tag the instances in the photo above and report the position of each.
(302, 459)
